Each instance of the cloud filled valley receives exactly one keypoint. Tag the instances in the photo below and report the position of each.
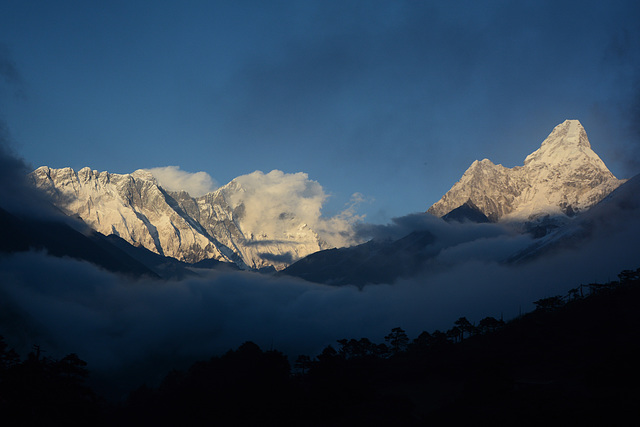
(134, 330)
(146, 327)
(319, 213)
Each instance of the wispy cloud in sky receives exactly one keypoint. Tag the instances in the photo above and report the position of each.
(172, 178)
(9, 71)
(623, 55)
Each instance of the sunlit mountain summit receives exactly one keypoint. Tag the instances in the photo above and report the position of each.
(250, 221)
(563, 177)
(270, 221)
(541, 206)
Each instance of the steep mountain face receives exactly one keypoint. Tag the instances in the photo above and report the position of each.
(563, 177)
(215, 226)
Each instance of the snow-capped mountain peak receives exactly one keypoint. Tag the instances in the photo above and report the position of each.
(562, 177)
(235, 223)
(141, 174)
(568, 144)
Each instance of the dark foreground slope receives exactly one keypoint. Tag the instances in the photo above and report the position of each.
(574, 364)
(572, 361)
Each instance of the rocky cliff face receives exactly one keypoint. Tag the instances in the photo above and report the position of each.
(563, 177)
(136, 208)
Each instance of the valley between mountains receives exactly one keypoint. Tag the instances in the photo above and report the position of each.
(137, 279)
(246, 224)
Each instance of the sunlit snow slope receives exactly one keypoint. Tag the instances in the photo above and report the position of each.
(564, 176)
(219, 225)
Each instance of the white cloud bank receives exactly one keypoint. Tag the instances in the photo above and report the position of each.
(172, 178)
(271, 199)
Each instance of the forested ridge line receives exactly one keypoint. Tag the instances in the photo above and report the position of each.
(572, 359)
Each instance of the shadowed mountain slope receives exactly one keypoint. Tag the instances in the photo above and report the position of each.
(369, 263)
(61, 240)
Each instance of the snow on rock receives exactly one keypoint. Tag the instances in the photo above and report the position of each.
(172, 223)
(563, 177)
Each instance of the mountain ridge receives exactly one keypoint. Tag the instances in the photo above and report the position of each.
(172, 223)
(562, 177)
(239, 222)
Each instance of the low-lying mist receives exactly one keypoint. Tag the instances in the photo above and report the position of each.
(115, 323)
(143, 328)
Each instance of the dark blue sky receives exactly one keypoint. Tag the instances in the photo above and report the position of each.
(391, 99)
